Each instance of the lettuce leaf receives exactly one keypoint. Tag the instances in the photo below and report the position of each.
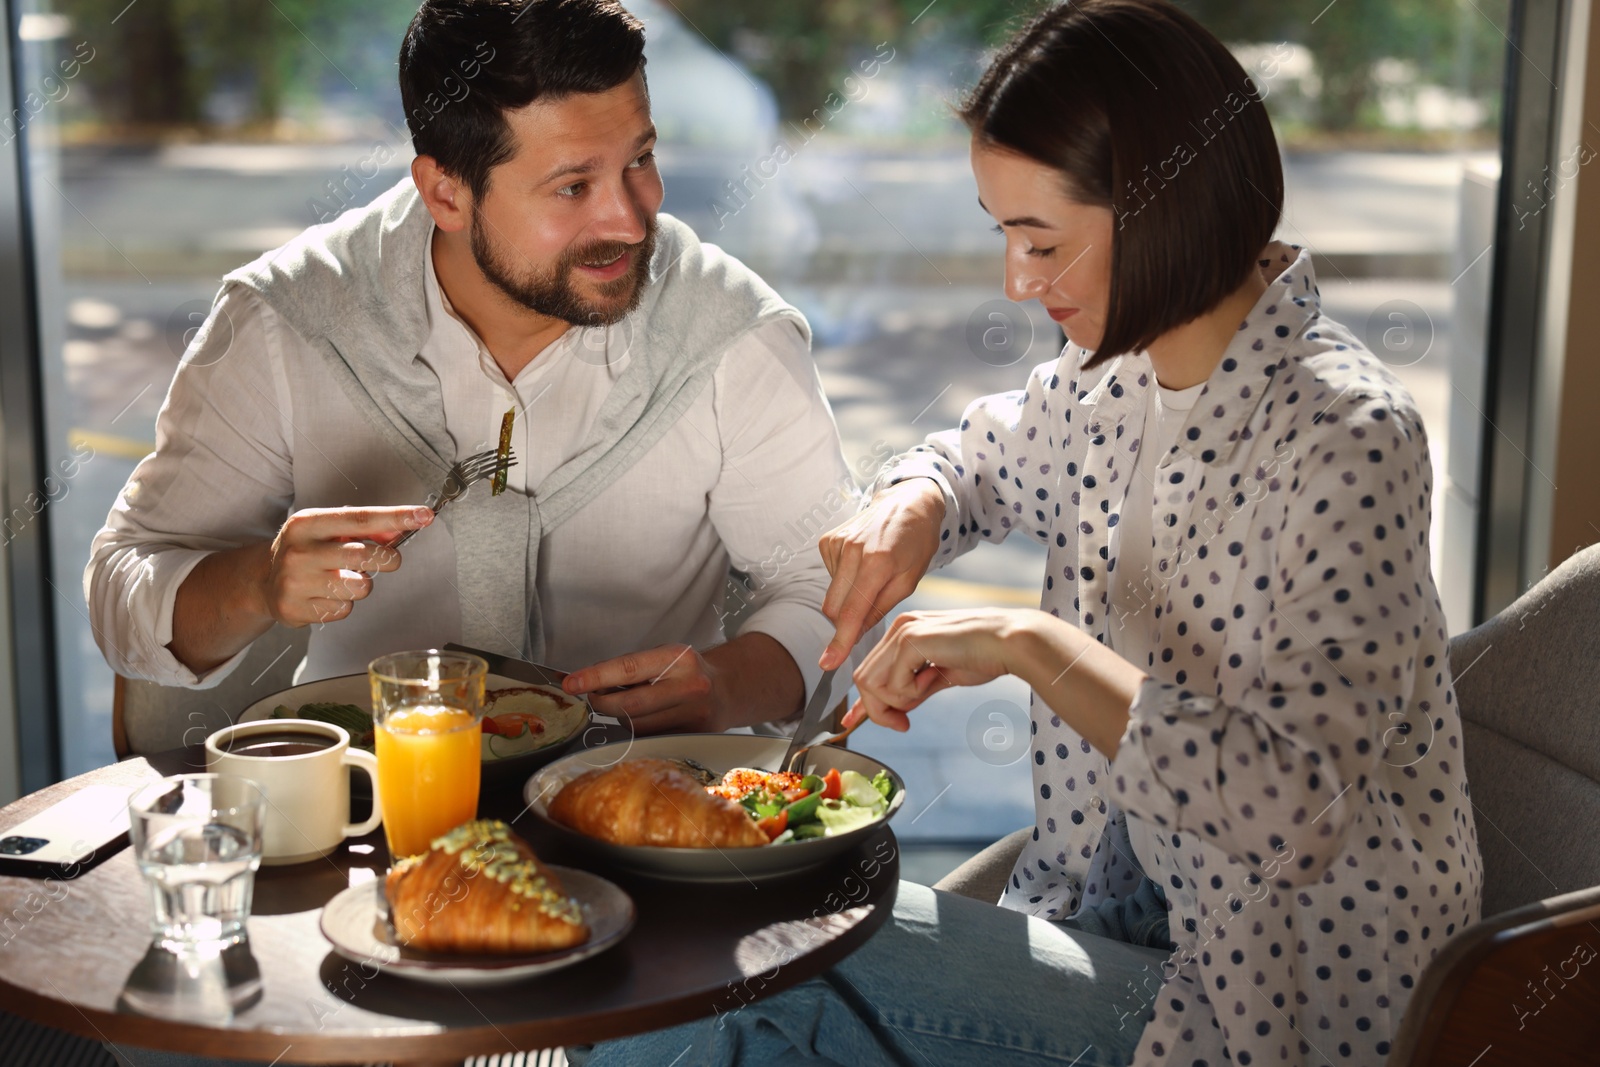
(884, 785)
(860, 791)
(841, 817)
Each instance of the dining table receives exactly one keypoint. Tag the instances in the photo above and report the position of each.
(69, 949)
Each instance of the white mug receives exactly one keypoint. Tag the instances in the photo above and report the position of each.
(308, 792)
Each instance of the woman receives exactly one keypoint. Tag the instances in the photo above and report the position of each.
(1243, 716)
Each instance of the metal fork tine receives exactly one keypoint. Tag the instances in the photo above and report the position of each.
(488, 457)
(476, 469)
(478, 460)
(493, 458)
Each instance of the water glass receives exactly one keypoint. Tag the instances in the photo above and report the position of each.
(427, 708)
(197, 840)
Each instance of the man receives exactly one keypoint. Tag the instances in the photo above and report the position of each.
(668, 419)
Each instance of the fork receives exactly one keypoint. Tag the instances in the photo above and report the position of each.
(464, 473)
(798, 760)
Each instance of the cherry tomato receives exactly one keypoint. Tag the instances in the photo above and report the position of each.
(832, 786)
(511, 723)
(774, 825)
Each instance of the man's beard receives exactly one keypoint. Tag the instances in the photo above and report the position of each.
(553, 293)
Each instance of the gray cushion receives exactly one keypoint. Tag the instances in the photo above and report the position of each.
(984, 875)
(1533, 817)
(1528, 682)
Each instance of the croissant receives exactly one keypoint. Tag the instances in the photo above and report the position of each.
(481, 889)
(652, 802)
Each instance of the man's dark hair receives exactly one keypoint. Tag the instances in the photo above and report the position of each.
(464, 63)
(1142, 110)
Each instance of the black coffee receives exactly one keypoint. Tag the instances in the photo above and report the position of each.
(279, 744)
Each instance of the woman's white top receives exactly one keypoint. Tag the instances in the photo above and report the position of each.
(1292, 772)
(1133, 580)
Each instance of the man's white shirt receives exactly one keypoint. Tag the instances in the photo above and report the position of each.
(255, 427)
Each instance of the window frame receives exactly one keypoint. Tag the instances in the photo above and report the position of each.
(1512, 507)
(29, 702)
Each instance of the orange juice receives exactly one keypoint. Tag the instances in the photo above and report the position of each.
(428, 763)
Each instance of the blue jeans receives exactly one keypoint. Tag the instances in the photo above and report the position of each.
(946, 980)
(1140, 919)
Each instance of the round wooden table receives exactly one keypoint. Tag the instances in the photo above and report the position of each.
(67, 950)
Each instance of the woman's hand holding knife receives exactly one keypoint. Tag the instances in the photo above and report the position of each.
(878, 557)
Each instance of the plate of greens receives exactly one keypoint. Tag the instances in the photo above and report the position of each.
(525, 724)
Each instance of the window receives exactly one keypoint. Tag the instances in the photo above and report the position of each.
(167, 142)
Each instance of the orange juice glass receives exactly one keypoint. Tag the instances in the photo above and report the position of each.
(428, 710)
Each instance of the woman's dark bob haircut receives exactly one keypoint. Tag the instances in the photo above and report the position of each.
(1144, 112)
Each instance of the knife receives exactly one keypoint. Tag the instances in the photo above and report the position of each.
(520, 669)
(812, 718)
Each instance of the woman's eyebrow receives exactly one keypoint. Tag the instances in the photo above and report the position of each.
(1021, 220)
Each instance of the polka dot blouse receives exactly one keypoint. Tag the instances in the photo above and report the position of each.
(1292, 773)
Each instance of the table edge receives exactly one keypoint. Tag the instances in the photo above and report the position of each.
(148, 1032)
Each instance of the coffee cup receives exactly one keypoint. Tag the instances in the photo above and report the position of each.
(301, 765)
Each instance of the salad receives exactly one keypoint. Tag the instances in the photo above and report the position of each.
(795, 807)
(356, 722)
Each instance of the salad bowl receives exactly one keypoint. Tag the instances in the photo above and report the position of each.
(718, 753)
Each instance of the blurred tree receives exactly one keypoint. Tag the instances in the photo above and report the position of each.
(159, 62)
(1346, 41)
(800, 47)
(1456, 43)
(161, 91)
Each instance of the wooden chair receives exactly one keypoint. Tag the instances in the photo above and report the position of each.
(1522, 986)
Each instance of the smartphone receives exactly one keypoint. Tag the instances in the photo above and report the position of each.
(70, 837)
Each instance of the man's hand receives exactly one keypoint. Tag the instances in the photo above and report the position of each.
(323, 559)
(877, 558)
(670, 688)
(313, 571)
(748, 680)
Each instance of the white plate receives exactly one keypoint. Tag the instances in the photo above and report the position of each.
(719, 753)
(357, 689)
(354, 922)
